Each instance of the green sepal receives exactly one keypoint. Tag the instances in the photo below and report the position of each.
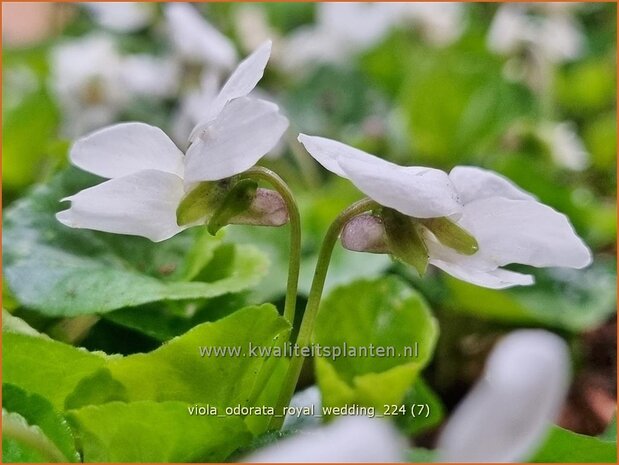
(198, 203)
(237, 200)
(404, 239)
(451, 235)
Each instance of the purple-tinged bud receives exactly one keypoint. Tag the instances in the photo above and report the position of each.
(266, 209)
(365, 233)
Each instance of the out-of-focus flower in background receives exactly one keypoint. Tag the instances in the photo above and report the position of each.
(507, 414)
(350, 439)
(566, 147)
(197, 41)
(94, 82)
(122, 16)
(343, 30)
(535, 37)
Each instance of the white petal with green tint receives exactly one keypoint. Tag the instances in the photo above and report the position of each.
(127, 148)
(242, 134)
(140, 204)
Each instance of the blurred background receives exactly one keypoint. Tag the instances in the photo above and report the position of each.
(528, 90)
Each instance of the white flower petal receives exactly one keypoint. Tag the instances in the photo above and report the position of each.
(140, 204)
(476, 183)
(415, 191)
(127, 148)
(523, 231)
(348, 439)
(246, 76)
(196, 39)
(327, 152)
(240, 83)
(493, 279)
(244, 132)
(506, 415)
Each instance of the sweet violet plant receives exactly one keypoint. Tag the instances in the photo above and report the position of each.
(470, 223)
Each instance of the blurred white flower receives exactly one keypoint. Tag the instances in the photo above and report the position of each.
(122, 16)
(485, 221)
(93, 82)
(150, 76)
(253, 28)
(196, 40)
(149, 176)
(85, 76)
(507, 414)
(348, 28)
(566, 148)
(553, 34)
(439, 23)
(341, 31)
(348, 439)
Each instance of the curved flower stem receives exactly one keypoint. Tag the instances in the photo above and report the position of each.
(265, 174)
(311, 310)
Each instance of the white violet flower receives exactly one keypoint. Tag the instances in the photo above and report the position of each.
(470, 222)
(155, 191)
(507, 414)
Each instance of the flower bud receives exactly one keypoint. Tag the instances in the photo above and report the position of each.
(365, 233)
(266, 209)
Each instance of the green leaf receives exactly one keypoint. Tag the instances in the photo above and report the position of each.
(382, 313)
(62, 271)
(455, 102)
(564, 446)
(29, 119)
(164, 320)
(610, 433)
(421, 394)
(46, 367)
(421, 455)
(22, 442)
(178, 371)
(155, 432)
(37, 411)
(574, 300)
